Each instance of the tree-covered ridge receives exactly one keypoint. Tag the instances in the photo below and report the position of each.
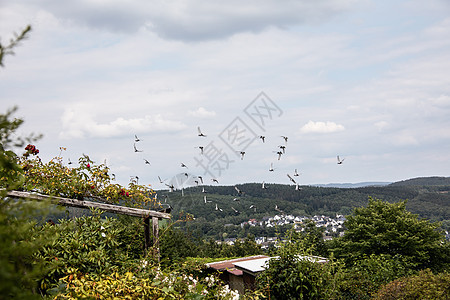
(426, 181)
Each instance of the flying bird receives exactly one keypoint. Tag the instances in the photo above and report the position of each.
(253, 206)
(201, 149)
(283, 148)
(296, 173)
(263, 186)
(292, 179)
(203, 190)
(146, 161)
(136, 139)
(171, 187)
(279, 154)
(184, 166)
(242, 154)
(160, 180)
(278, 209)
(217, 208)
(238, 190)
(271, 167)
(215, 180)
(285, 138)
(200, 132)
(201, 178)
(236, 200)
(297, 188)
(69, 162)
(340, 161)
(135, 149)
(262, 138)
(235, 210)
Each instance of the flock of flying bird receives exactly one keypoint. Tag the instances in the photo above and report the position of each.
(198, 180)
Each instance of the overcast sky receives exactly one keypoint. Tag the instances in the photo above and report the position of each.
(363, 79)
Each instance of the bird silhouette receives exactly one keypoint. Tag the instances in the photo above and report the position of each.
(253, 206)
(292, 179)
(242, 154)
(69, 162)
(205, 200)
(146, 161)
(278, 209)
(235, 210)
(279, 154)
(215, 180)
(297, 188)
(262, 138)
(200, 132)
(217, 208)
(296, 173)
(283, 148)
(201, 178)
(201, 149)
(135, 149)
(285, 138)
(136, 139)
(263, 186)
(271, 167)
(160, 180)
(237, 200)
(203, 189)
(238, 190)
(171, 187)
(184, 166)
(340, 161)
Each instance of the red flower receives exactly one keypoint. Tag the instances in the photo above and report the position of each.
(92, 186)
(128, 195)
(88, 166)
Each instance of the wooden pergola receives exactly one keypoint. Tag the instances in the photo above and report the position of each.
(129, 211)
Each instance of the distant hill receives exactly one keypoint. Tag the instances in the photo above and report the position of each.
(423, 181)
(353, 185)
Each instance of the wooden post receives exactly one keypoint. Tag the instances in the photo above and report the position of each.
(156, 253)
(147, 244)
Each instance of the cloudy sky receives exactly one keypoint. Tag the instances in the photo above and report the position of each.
(363, 79)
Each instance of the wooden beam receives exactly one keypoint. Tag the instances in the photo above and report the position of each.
(130, 211)
(156, 253)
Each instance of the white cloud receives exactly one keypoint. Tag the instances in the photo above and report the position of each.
(321, 127)
(201, 112)
(81, 125)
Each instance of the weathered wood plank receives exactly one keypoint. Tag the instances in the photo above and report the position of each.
(130, 211)
(156, 238)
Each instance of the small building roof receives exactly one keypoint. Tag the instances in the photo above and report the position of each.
(229, 265)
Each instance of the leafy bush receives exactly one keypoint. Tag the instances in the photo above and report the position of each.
(424, 285)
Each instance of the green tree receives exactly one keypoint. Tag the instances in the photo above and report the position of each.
(385, 228)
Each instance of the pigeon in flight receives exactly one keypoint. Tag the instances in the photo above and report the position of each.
(237, 200)
(136, 139)
(217, 208)
(278, 209)
(292, 179)
(160, 180)
(215, 180)
(184, 166)
(263, 186)
(262, 138)
(285, 138)
(69, 162)
(279, 154)
(297, 188)
(146, 161)
(242, 154)
(201, 149)
(135, 149)
(171, 187)
(238, 190)
(253, 206)
(200, 132)
(203, 190)
(235, 210)
(271, 167)
(296, 173)
(201, 178)
(340, 161)
(283, 148)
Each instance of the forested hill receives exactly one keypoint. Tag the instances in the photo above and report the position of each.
(428, 201)
(424, 181)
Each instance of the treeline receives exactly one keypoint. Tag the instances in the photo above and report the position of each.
(427, 201)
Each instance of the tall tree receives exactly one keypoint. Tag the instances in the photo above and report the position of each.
(388, 228)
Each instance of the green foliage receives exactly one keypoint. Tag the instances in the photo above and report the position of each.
(295, 274)
(149, 282)
(89, 244)
(362, 279)
(8, 49)
(384, 228)
(424, 285)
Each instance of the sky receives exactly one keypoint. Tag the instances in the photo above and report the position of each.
(363, 79)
